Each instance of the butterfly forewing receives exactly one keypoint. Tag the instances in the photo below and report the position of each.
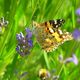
(56, 23)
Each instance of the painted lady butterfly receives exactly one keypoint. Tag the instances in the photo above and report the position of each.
(49, 34)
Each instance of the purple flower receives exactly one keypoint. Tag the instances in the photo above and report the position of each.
(17, 48)
(24, 43)
(76, 34)
(30, 43)
(29, 33)
(18, 36)
(72, 59)
(78, 11)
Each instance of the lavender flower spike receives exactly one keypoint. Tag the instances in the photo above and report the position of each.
(25, 42)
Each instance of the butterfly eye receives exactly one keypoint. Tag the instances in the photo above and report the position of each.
(62, 21)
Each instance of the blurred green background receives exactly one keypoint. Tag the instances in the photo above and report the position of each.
(20, 14)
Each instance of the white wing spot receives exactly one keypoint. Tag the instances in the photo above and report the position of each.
(51, 30)
(60, 32)
(60, 19)
(55, 21)
(56, 26)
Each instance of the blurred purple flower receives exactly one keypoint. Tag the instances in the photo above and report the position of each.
(78, 11)
(24, 43)
(76, 34)
(68, 60)
(72, 59)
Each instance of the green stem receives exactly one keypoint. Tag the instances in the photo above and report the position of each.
(46, 60)
(61, 70)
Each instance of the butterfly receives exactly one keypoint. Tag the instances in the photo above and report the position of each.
(50, 35)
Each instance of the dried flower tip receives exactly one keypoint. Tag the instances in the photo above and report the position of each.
(3, 22)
